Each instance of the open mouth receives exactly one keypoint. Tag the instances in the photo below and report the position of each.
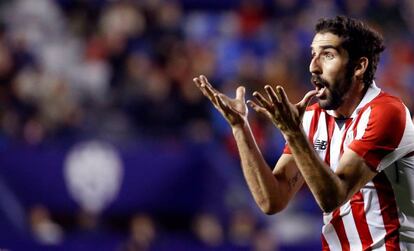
(319, 87)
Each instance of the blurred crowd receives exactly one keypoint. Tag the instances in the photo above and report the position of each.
(205, 232)
(122, 71)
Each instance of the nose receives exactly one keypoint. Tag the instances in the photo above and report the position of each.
(314, 66)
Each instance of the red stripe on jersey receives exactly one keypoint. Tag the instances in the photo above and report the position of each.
(389, 211)
(378, 141)
(325, 246)
(330, 121)
(339, 227)
(358, 212)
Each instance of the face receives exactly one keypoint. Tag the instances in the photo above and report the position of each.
(329, 69)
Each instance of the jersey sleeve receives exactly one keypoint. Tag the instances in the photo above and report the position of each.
(286, 150)
(379, 132)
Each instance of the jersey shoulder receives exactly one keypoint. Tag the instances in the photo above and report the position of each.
(387, 105)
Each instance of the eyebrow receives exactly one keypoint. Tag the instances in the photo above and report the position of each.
(324, 47)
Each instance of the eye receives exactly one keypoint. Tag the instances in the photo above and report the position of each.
(329, 55)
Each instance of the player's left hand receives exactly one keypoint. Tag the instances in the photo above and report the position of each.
(277, 107)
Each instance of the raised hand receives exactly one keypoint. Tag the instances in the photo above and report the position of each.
(233, 110)
(277, 107)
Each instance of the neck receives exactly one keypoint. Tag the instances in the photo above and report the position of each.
(351, 100)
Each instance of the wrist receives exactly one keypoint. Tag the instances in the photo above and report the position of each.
(293, 134)
(239, 127)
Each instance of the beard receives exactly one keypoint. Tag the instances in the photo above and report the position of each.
(333, 97)
(335, 92)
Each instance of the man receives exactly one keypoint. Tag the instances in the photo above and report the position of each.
(354, 148)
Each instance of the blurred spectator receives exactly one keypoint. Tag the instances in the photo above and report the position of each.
(58, 71)
(242, 228)
(12, 212)
(264, 240)
(208, 230)
(142, 234)
(44, 229)
(357, 9)
(88, 222)
(387, 14)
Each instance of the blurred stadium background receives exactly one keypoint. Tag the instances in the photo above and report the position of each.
(105, 144)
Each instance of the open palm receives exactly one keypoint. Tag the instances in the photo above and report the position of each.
(277, 107)
(233, 110)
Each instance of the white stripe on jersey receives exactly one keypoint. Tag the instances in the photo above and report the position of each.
(331, 237)
(306, 120)
(335, 149)
(374, 217)
(321, 134)
(350, 227)
(362, 124)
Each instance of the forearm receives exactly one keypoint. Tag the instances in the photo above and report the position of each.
(259, 177)
(327, 188)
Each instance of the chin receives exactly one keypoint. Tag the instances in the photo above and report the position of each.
(327, 104)
(323, 105)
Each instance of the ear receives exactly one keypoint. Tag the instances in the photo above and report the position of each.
(360, 67)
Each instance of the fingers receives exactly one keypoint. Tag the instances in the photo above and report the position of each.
(272, 95)
(240, 93)
(206, 88)
(262, 100)
(282, 94)
(278, 104)
(197, 82)
(307, 98)
(204, 83)
(221, 103)
(204, 80)
(210, 92)
(277, 97)
(257, 108)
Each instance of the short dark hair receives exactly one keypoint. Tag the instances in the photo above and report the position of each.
(358, 39)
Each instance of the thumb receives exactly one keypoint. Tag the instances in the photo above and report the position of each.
(306, 99)
(240, 93)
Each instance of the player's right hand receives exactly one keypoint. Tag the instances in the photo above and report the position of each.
(233, 110)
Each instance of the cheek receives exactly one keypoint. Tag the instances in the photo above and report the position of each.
(334, 71)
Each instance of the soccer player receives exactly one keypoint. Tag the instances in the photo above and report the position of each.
(354, 147)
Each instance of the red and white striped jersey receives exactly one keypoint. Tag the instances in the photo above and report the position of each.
(380, 216)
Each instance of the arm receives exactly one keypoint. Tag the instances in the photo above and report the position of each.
(330, 189)
(271, 191)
